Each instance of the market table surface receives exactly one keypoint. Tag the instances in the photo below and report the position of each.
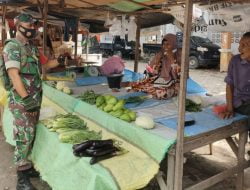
(152, 144)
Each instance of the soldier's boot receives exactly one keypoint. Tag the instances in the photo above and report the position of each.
(23, 181)
(32, 173)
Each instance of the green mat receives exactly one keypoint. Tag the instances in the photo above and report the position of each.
(62, 170)
(8, 126)
(152, 144)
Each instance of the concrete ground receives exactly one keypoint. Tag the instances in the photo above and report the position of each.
(199, 165)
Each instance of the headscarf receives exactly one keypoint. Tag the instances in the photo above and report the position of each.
(165, 72)
(171, 38)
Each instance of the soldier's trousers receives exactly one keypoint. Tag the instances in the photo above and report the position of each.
(24, 133)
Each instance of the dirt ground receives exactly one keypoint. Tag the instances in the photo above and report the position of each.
(200, 165)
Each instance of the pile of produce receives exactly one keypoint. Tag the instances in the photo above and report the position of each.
(191, 106)
(136, 99)
(115, 107)
(89, 96)
(71, 129)
(62, 87)
(98, 149)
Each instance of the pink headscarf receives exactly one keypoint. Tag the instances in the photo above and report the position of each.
(171, 38)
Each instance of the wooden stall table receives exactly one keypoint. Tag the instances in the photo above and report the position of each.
(226, 132)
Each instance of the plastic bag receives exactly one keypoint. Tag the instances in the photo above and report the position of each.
(132, 29)
(108, 21)
(116, 28)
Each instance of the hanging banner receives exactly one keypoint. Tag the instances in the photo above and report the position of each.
(219, 17)
(227, 17)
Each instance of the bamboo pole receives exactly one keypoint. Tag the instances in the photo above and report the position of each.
(137, 45)
(87, 47)
(182, 96)
(45, 16)
(76, 37)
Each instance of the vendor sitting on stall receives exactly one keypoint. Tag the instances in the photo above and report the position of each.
(163, 70)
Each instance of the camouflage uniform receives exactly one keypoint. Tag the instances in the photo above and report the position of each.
(25, 57)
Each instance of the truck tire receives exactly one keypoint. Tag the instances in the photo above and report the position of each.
(193, 62)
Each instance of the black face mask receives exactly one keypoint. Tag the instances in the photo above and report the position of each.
(27, 32)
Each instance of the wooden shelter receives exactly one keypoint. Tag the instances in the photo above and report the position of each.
(95, 12)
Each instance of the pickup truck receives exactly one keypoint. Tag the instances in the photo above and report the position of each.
(111, 45)
(203, 53)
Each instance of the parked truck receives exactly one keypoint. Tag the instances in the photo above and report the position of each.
(110, 45)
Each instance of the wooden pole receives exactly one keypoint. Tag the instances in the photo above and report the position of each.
(4, 8)
(76, 36)
(87, 47)
(137, 45)
(45, 16)
(182, 95)
(241, 160)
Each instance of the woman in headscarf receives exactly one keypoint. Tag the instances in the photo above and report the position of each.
(164, 71)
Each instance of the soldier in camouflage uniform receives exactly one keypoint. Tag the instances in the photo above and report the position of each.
(22, 63)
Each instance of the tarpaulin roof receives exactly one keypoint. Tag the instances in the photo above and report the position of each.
(95, 12)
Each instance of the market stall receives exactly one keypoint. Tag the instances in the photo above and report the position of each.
(146, 148)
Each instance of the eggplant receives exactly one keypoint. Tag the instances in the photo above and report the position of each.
(102, 147)
(94, 160)
(94, 143)
(101, 143)
(81, 154)
(101, 151)
(83, 146)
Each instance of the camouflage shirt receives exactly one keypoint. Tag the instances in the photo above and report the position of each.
(24, 57)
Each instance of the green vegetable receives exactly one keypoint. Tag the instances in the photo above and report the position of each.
(118, 113)
(65, 121)
(119, 105)
(79, 136)
(136, 99)
(125, 117)
(107, 97)
(89, 96)
(103, 106)
(132, 115)
(112, 113)
(112, 101)
(108, 108)
(191, 106)
(52, 130)
(69, 123)
(63, 130)
(126, 110)
(99, 100)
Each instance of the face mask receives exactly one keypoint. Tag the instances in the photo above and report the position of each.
(27, 32)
